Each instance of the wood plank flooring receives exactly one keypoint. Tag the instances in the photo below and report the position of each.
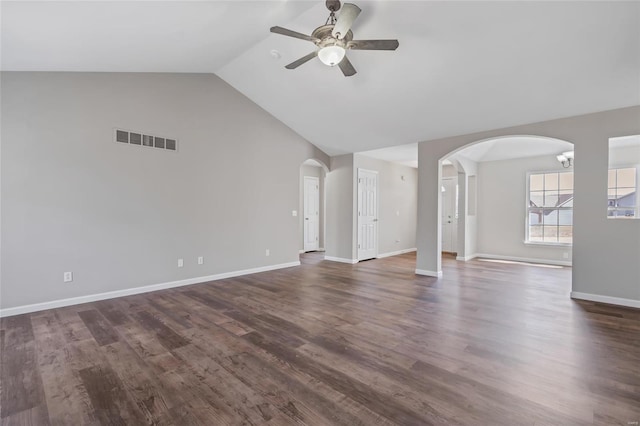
(329, 343)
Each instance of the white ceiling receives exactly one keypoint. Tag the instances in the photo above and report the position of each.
(505, 148)
(625, 141)
(461, 66)
(513, 147)
(136, 36)
(492, 150)
(402, 154)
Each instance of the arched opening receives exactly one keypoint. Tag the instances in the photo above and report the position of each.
(510, 199)
(311, 209)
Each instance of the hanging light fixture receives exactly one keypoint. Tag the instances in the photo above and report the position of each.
(566, 158)
(331, 55)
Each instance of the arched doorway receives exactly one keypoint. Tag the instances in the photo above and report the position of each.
(500, 214)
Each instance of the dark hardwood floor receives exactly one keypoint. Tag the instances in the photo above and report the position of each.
(328, 343)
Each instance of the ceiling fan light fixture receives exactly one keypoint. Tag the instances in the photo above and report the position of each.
(334, 38)
(331, 55)
(566, 158)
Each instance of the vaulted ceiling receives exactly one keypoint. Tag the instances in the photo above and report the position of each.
(461, 66)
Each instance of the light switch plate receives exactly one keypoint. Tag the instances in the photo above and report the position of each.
(180, 263)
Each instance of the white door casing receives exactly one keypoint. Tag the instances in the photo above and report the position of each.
(311, 213)
(449, 214)
(367, 214)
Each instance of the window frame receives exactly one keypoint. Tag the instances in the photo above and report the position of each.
(637, 206)
(527, 241)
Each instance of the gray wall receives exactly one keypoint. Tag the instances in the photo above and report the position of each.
(397, 203)
(120, 216)
(605, 252)
(340, 207)
(502, 209)
(449, 171)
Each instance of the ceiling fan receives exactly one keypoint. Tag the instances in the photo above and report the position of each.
(334, 38)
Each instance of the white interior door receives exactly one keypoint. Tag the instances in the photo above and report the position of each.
(311, 213)
(449, 214)
(367, 214)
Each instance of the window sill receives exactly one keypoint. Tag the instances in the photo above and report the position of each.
(550, 244)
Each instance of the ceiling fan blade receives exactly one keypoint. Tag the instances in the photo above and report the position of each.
(347, 68)
(373, 44)
(286, 32)
(348, 14)
(296, 64)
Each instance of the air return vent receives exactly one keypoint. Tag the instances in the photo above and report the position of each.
(122, 136)
(139, 138)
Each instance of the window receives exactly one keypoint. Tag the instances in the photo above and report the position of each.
(624, 178)
(550, 209)
(622, 190)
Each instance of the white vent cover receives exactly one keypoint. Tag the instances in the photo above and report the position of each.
(143, 139)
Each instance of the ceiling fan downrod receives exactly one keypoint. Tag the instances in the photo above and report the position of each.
(333, 6)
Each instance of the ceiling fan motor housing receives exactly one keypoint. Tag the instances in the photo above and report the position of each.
(325, 38)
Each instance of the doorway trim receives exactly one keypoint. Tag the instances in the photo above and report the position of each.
(309, 217)
(450, 183)
(370, 219)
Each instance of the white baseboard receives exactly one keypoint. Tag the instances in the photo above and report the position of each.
(466, 258)
(631, 303)
(437, 274)
(395, 253)
(340, 259)
(524, 259)
(7, 312)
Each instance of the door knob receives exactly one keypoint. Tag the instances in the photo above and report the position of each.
(306, 218)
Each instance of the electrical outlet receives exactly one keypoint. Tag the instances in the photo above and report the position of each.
(67, 277)
(294, 213)
(180, 263)
(267, 252)
(200, 260)
(565, 255)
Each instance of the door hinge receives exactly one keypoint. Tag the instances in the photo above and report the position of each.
(358, 245)
(316, 238)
